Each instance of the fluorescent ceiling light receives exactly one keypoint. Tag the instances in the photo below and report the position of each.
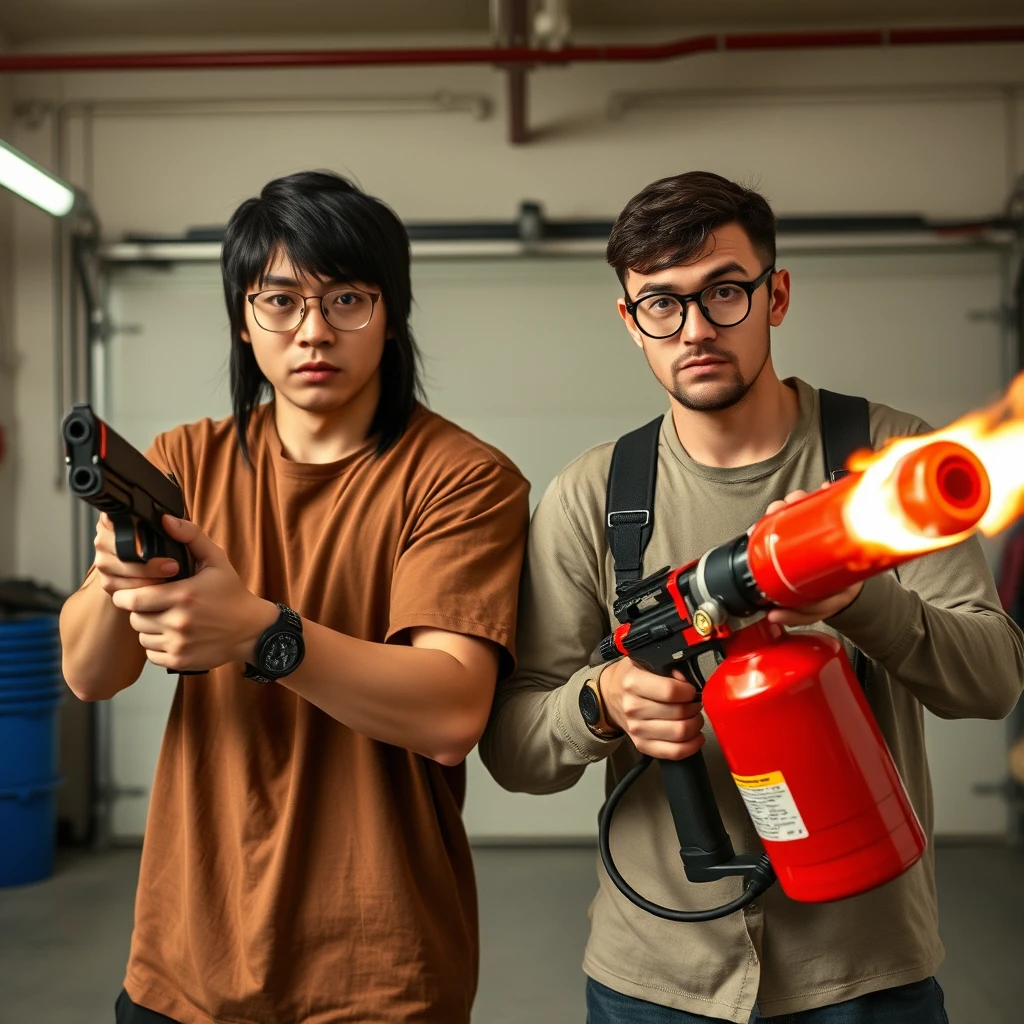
(31, 182)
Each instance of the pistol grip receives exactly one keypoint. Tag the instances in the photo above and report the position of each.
(156, 542)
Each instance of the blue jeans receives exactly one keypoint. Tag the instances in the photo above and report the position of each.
(919, 1003)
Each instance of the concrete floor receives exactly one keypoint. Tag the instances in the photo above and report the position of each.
(63, 942)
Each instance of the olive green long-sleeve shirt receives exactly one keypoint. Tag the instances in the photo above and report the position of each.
(937, 639)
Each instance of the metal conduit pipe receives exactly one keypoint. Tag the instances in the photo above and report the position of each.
(513, 55)
(514, 58)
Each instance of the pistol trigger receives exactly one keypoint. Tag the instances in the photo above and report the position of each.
(126, 542)
(149, 543)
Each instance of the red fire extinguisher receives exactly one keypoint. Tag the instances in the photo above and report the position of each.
(810, 762)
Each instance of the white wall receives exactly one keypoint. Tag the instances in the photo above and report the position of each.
(918, 130)
(504, 345)
(924, 131)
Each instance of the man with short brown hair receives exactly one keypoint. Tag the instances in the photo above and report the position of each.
(695, 254)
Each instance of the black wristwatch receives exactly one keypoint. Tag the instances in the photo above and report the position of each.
(279, 651)
(592, 709)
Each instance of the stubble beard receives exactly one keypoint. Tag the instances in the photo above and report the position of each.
(714, 396)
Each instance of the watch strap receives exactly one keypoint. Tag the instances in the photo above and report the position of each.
(290, 616)
(252, 672)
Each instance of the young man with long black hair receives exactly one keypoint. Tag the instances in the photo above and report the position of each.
(354, 603)
(695, 255)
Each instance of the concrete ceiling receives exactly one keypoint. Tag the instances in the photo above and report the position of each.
(32, 21)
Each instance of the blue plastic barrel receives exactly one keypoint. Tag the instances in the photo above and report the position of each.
(10, 648)
(32, 664)
(29, 654)
(21, 636)
(29, 736)
(31, 693)
(35, 626)
(15, 650)
(27, 816)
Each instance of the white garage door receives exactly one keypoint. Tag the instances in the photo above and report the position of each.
(530, 355)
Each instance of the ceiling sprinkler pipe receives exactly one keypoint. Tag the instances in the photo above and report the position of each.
(511, 55)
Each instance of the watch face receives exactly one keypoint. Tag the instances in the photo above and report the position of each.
(589, 707)
(280, 655)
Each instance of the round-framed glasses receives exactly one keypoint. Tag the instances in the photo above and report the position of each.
(280, 310)
(724, 304)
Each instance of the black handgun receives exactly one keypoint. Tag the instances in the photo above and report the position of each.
(112, 476)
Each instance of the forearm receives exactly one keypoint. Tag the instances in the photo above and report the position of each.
(101, 651)
(959, 662)
(536, 740)
(418, 698)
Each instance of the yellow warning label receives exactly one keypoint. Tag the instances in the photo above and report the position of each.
(771, 807)
(757, 781)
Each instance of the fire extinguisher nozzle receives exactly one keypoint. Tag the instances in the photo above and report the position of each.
(943, 489)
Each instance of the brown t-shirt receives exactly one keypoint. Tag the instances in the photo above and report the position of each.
(295, 870)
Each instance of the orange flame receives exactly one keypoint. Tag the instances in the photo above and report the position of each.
(873, 511)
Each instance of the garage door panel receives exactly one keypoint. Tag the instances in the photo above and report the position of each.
(530, 355)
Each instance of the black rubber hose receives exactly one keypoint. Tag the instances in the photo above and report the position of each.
(753, 889)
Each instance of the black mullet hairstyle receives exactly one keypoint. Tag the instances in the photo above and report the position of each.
(327, 227)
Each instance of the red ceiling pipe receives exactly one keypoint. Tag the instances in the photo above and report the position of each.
(333, 58)
(938, 36)
(511, 55)
(806, 40)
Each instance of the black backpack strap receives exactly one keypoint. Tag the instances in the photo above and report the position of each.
(845, 427)
(629, 507)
